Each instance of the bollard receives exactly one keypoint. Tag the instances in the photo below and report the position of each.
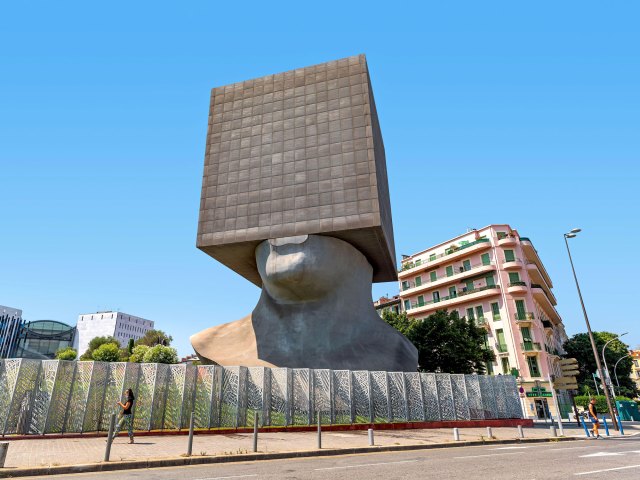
(620, 425)
(553, 431)
(319, 433)
(456, 434)
(370, 431)
(520, 431)
(489, 433)
(4, 448)
(255, 432)
(584, 425)
(112, 426)
(190, 445)
(606, 425)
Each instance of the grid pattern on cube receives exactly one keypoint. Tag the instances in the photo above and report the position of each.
(298, 152)
(227, 396)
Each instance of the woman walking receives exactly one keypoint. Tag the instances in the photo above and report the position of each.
(126, 418)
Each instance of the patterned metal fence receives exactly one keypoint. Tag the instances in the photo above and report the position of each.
(56, 396)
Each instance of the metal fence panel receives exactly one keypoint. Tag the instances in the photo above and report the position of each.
(445, 396)
(361, 397)
(301, 400)
(397, 398)
(257, 378)
(380, 397)
(415, 400)
(430, 396)
(321, 399)
(476, 411)
(342, 412)
(280, 397)
(489, 401)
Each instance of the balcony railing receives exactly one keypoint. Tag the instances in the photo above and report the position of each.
(451, 297)
(501, 348)
(515, 259)
(496, 317)
(481, 321)
(531, 346)
(448, 251)
(524, 316)
(408, 284)
(517, 284)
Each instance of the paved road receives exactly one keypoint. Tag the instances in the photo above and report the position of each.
(608, 458)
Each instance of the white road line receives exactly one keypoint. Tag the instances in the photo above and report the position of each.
(222, 478)
(365, 465)
(490, 455)
(607, 470)
(508, 448)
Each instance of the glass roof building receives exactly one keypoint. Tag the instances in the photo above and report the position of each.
(41, 339)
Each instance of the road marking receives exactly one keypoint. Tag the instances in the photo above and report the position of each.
(222, 478)
(365, 465)
(508, 448)
(600, 454)
(607, 470)
(490, 455)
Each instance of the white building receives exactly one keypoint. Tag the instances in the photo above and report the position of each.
(10, 321)
(120, 325)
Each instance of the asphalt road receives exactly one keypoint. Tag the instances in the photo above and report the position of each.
(607, 458)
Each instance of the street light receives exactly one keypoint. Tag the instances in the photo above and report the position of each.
(606, 368)
(572, 234)
(615, 373)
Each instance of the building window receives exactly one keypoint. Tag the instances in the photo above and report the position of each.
(485, 259)
(495, 310)
(420, 301)
(506, 368)
(490, 281)
(534, 371)
(449, 270)
(407, 304)
(514, 277)
(521, 311)
(418, 281)
(509, 256)
(433, 276)
(470, 314)
(405, 285)
(479, 312)
(436, 297)
(501, 235)
(452, 292)
(432, 257)
(466, 265)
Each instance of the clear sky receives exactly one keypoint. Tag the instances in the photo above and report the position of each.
(491, 112)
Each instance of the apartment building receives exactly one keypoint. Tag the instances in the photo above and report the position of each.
(385, 303)
(495, 277)
(635, 367)
(120, 325)
(10, 323)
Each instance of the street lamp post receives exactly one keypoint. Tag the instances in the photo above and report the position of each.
(572, 234)
(604, 358)
(615, 373)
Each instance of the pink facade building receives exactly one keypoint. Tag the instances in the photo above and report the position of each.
(496, 278)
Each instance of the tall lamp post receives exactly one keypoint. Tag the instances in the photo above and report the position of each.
(572, 234)
(615, 367)
(606, 368)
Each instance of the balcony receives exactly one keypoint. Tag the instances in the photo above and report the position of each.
(517, 288)
(449, 300)
(532, 254)
(410, 288)
(502, 349)
(496, 317)
(531, 347)
(507, 241)
(482, 322)
(524, 317)
(548, 326)
(512, 264)
(451, 253)
(536, 277)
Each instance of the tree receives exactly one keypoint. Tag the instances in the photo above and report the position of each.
(130, 346)
(94, 344)
(161, 354)
(579, 347)
(445, 342)
(107, 352)
(155, 337)
(137, 354)
(66, 353)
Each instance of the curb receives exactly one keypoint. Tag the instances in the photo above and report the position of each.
(185, 461)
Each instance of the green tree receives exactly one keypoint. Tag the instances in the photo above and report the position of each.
(66, 353)
(155, 337)
(161, 354)
(107, 352)
(137, 354)
(130, 346)
(579, 347)
(94, 344)
(445, 342)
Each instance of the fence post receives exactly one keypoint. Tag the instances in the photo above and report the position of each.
(370, 432)
(584, 425)
(112, 425)
(190, 444)
(255, 432)
(456, 434)
(620, 425)
(489, 433)
(606, 426)
(520, 431)
(319, 433)
(4, 448)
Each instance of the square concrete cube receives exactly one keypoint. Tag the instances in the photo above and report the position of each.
(298, 152)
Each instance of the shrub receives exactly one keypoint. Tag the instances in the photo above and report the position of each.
(107, 352)
(601, 402)
(67, 353)
(137, 353)
(161, 354)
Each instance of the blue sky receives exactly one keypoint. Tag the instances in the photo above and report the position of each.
(491, 112)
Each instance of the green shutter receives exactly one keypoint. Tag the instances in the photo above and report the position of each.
(466, 265)
(407, 304)
(514, 277)
(420, 301)
(418, 281)
(526, 334)
(452, 292)
(506, 369)
(433, 276)
(479, 311)
(495, 309)
(509, 256)
(490, 281)
(485, 259)
(405, 285)
(501, 235)
(449, 271)
(521, 309)
(534, 371)
(470, 314)
(432, 257)
(469, 285)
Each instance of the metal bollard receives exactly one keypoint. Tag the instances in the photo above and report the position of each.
(520, 431)
(620, 425)
(489, 433)
(4, 448)
(112, 426)
(319, 433)
(606, 425)
(370, 431)
(553, 431)
(584, 425)
(190, 445)
(255, 432)
(456, 434)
